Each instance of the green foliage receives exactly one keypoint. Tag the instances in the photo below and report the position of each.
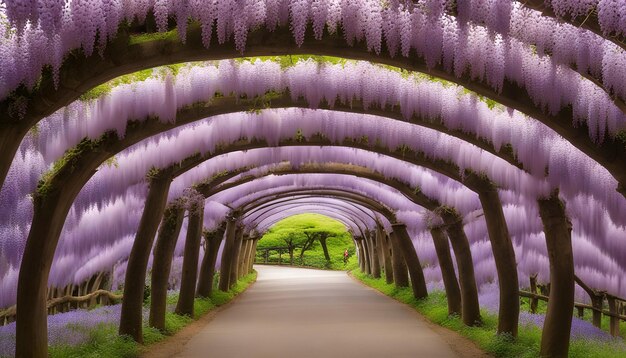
(69, 158)
(305, 231)
(154, 36)
(103, 342)
(527, 344)
(138, 76)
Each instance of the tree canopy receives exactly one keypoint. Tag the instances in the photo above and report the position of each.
(324, 238)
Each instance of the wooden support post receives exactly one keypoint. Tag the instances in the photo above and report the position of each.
(189, 276)
(400, 272)
(207, 268)
(597, 298)
(244, 257)
(613, 321)
(557, 228)
(162, 263)
(366, 256)
(465, 264)
(416, 274)
(381, 237)
(450, 283)
(374, 263)
(227, 255)
(132, 304)
(234, 270)
(534, 302)
(359, 245)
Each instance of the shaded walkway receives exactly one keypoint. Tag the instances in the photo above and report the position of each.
(313, 313)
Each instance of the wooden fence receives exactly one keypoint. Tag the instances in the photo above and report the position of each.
(602, 304)
(62, 304)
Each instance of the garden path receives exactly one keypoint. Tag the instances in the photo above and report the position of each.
(294, 312)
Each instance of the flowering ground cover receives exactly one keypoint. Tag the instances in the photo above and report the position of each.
(586, 340)
(93, 333)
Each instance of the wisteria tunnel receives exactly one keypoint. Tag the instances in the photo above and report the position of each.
(473, 148)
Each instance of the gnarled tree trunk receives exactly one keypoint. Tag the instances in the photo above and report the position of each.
(400, 273)
(381, 237)
(207, 268)
(467, 281)
(503, 255)
(162, 263)
(227, 255)
(450, 283)
(359, 247)
(132, 304)
(373, 254)
(322, 240)
(234, 270)
(189, 275)
(416, 274)
(556, 327)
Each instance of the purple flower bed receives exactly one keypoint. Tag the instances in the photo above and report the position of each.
(581, 329)
(69, 328)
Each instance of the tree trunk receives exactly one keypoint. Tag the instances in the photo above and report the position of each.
(162, 263)
(557, 228)
(253, 255)
(366, 256)
(227, 255)
(234, 271)
(381, 237)
(504, 257)
(450, 283)
(207, 268)
(400, 273)
(189, 276)
(243, 257)
(324, 248)
(132, 304)
(416, 274)
(374, 263)
(359, 245)
(50, 212)
(467, 282)
(245, 263)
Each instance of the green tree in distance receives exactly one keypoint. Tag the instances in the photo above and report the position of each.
(323, 239)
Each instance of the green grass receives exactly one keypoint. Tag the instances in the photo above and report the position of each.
(105, 342)
(525, 346)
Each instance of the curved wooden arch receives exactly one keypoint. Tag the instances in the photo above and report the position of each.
(341, 209)
(80, 74)
(50, 211)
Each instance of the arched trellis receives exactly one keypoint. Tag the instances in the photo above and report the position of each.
(226, 277)
(165, 182)
(64, 183)
(509, 300)
(262, 214)
(153, 53)
(552, 338)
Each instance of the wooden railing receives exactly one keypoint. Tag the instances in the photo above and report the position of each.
(616, 305)
(8, 315)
